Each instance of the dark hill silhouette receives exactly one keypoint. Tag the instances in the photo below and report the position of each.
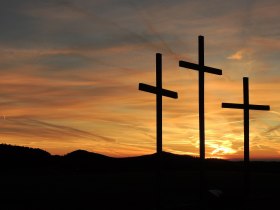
(83, 180)
(21, 154)
(83, 154)
(85, 159)
(147, 162)
(19, 158)
(12, 151)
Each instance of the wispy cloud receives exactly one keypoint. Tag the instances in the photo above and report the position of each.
(24, 126)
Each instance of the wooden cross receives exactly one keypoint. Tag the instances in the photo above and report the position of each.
(246, 106)
(201, 70)
(159, 92)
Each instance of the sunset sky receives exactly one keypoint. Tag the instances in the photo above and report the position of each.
(69, 75)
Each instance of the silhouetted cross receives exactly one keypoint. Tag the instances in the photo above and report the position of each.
(246, 107)
(159, 91)
(201, 69)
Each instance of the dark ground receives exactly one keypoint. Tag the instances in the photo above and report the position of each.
(34, 180)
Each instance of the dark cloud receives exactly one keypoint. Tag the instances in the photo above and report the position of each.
(18, 29)
(61, 62)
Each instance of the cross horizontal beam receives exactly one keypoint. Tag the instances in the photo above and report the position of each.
(242, 106)
(197, 67)
(155, 90)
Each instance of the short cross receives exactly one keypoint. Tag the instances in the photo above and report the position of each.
(246, 107)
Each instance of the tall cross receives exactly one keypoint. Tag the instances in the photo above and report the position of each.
(246, 106)
(201, 68)
(159, 92)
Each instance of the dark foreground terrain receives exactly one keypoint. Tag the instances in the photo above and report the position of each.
(32, 179)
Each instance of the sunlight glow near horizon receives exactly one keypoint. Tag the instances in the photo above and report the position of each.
(69, 79)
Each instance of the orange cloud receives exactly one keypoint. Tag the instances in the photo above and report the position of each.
(236, 56)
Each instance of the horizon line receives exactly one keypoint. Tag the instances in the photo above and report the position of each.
(265, 159)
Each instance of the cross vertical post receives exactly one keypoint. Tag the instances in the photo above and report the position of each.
(159, 92)
(159, 102)
(246, 179)
(246, 120)
(201, 98)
